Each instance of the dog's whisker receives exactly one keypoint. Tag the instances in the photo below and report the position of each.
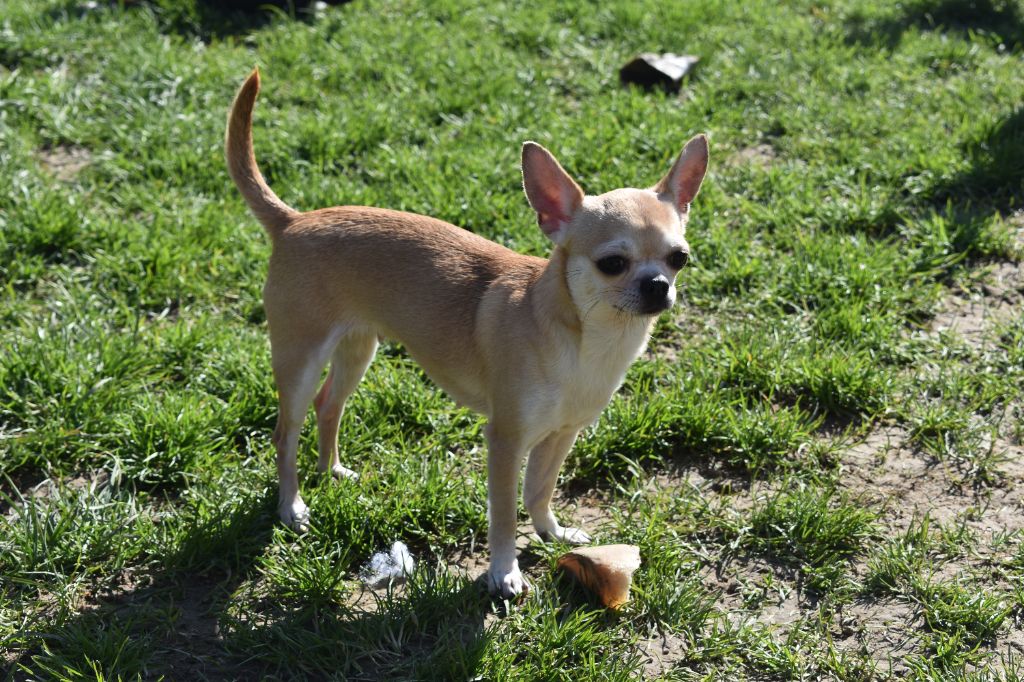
(589, 309)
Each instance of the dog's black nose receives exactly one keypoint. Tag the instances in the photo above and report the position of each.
(654, 289)
(654, 292)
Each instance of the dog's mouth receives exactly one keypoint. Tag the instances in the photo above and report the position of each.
(644, 309)
(655, 308)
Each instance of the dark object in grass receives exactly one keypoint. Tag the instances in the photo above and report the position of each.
(664, 71)
(605, 570)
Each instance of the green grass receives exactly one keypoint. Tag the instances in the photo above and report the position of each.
(813, 531)
(138, 535)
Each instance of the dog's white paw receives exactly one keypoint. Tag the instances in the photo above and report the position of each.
(339, 472)
(295, 515)
(572, 536)
(507, 584)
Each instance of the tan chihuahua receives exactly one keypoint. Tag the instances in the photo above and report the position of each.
(538, 346)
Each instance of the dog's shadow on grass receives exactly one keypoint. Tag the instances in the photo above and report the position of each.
(1002, 19)
(209, 611)
(432, 627)
(161, 620)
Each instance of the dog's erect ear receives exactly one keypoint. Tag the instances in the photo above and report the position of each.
(683, 182)
(553, 194)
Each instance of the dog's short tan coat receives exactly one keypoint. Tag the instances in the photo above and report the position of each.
(538, 346)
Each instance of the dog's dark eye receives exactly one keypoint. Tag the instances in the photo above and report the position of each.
(678, 259)
(612, 265)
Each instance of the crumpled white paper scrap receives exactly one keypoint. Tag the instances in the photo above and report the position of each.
(395, 565)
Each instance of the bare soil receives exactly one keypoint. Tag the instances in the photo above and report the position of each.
(65, 162)
(760, 155)
(973, 312)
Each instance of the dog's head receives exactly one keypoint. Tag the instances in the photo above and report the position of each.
(624, 248)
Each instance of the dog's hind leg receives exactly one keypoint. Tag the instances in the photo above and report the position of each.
(297, 362)
(351, 358)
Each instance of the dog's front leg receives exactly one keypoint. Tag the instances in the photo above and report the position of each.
(541, 475)
(505, 452)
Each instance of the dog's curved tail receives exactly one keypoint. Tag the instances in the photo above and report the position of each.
(271, 211)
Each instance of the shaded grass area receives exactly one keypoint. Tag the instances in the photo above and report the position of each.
(136, 402)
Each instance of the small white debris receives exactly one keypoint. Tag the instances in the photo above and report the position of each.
(385, 567)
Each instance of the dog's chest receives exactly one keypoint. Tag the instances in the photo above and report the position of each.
(591, 375)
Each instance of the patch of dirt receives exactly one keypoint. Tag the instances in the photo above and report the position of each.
(887, 471)
(758, 155)
(891, 474)
(660, 653)
(972, 312)
(90, 481)
(195, 620)
(366, 598)
(587, 512)
(14, 486)
(65, 162)
(906, 484)
(783, 608)
(40, 490)
(751, 588)
(886, 632)
(1012, 642)
(890, 630)
(182, 616)
(473, 562)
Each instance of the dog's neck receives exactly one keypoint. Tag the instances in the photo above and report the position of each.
(554, 299)
(595, 347)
